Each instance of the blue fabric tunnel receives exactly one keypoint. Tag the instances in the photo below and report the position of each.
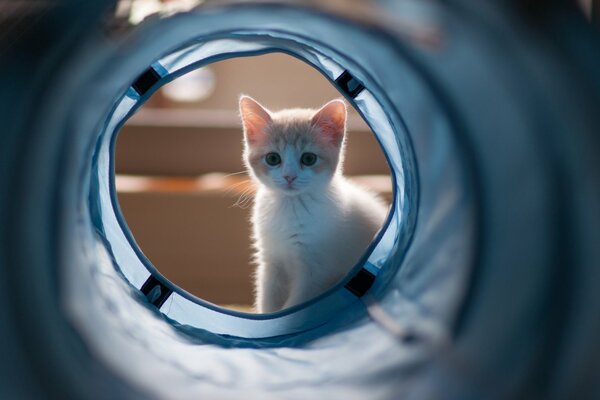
(479, 285)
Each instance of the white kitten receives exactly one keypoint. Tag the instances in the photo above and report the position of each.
(310, 225)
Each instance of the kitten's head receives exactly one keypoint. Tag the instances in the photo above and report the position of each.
(293, 151)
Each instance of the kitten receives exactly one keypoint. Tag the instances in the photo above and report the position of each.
(310, 224)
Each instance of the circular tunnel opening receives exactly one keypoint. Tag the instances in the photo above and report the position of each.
(182, 186)
(373, 270)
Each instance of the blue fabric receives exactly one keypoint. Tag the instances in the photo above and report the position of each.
(486, 273)
(184, 308)
(419, 287)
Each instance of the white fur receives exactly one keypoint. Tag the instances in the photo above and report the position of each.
(307, 243)
(309, 237)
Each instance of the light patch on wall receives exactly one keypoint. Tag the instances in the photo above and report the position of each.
(192, 87)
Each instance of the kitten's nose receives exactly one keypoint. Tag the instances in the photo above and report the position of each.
(289, 179)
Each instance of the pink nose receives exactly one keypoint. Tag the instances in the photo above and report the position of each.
(289, 179)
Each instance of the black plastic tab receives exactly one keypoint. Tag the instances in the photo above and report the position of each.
(155, 291)
(145, 81)
(361, 282)
(348, 84)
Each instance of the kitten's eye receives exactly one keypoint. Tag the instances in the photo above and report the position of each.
(308, 159)
(273, 159)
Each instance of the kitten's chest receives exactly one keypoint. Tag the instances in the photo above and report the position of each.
(299, 223)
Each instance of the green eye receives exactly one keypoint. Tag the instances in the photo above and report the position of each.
(308, 159)
(273, 159)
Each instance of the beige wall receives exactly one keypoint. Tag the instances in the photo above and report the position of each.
(275, 80)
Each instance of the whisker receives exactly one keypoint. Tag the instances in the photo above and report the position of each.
(243, 202)
(235, 173)
(237, 184)
(233, 186)
(245, 198)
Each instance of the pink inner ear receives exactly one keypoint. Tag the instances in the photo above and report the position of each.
(331, 121)
(255, 119)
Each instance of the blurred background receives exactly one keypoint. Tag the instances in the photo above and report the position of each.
(180, 178)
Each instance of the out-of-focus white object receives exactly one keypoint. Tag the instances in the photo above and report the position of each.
(194, 86)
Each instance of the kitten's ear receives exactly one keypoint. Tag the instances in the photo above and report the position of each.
(255, 119)
(331, 121)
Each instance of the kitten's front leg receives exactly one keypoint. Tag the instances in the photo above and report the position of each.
(301, 289)
(272, 288)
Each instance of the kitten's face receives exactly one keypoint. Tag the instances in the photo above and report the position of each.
(293, 151)
(293, 167)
